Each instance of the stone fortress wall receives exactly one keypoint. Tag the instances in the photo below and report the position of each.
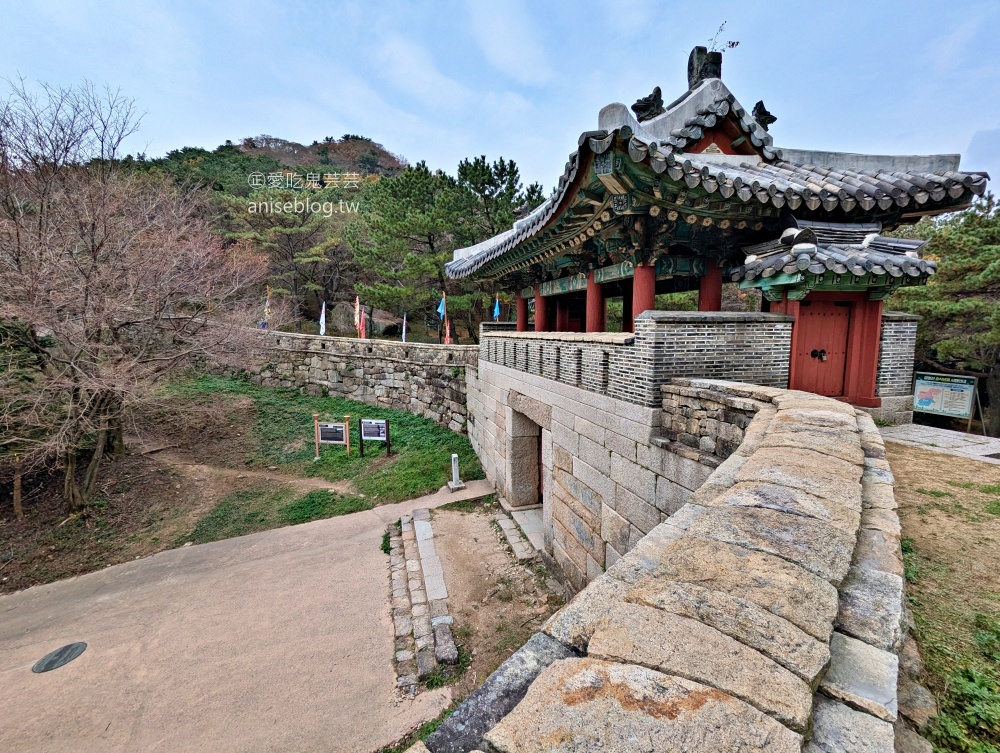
(734, 549)
(761, 609)
(427, 380)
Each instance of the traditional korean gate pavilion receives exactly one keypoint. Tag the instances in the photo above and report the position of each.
(695, 194)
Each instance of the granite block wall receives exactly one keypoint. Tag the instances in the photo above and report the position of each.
(767, 612)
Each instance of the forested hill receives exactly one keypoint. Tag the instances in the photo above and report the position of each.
(228, 167)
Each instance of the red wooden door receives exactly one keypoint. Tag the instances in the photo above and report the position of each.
(821, 350)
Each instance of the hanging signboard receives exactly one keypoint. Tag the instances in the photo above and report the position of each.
(374, 430)
(944, 394)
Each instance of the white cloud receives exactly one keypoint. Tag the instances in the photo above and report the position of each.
(510, 41)
(410, 69)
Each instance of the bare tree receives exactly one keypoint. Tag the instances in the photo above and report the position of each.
(109, 280)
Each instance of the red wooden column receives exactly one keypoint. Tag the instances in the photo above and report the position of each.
(522, 313)
(595, 305)
(562, 314)
(861, 372)
(710, 288)
(643, 289)
(541, 311)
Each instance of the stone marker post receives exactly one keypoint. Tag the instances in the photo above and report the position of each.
(455, 484)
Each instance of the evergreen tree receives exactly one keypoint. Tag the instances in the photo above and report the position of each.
(414, 221)
(960, 305)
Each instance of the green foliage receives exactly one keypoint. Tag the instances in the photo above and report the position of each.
(987, 636)
(263, 508)
(911, 563)
(421, 450)
(226, 169)
(969, 721)
(320, 504)
(415, 220)
(385, 547)
(960, 330)
(934, 493)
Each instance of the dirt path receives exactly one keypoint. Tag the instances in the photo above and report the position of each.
(277, 641)
(497, 604)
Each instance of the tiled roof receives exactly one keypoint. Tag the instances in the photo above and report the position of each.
(836, 181)
(817, 248)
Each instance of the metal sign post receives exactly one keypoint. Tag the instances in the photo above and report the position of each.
(374, 430)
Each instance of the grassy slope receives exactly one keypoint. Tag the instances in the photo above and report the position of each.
(421, 450)
(950, 509)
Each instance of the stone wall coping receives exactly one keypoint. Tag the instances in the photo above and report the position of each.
(378, 343)
(900, 316)
(712, 317)
(603, 338)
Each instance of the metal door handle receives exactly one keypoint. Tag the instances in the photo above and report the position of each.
(820, 354)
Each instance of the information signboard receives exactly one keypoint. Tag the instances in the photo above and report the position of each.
(373, 429)
(944, 394)
(333, 433)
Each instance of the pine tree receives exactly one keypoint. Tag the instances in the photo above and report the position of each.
(960, 305)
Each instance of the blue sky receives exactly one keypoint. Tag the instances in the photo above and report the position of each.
(443, 81)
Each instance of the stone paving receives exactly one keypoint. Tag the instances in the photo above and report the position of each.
(523, 551)
(974, 446)
(421, 622)
(531, 525)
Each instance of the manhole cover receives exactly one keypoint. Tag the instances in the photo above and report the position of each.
(57, 658)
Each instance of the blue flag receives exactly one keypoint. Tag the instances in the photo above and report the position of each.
(496, 310)
(441, 307)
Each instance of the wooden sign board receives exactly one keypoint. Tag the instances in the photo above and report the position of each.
(333, 433)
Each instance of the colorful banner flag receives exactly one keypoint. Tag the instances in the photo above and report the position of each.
(322, 319)
(265, 322)
(404, 326)
(357, 314)
(496, 309)
(442, 308)
(363, 334)
(447, 332)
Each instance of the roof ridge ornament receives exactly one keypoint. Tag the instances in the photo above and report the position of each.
(647, 108)
(762, 116)
(703, 65)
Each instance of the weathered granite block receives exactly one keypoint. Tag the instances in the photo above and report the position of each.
(871, 608)
(690, 649)
(839, 729)
(638, 708)
(862, 676)
(497, 696)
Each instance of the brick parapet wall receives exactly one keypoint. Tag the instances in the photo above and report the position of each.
(666, 344)
(768, 608)
(425, 379)
(896, 352)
